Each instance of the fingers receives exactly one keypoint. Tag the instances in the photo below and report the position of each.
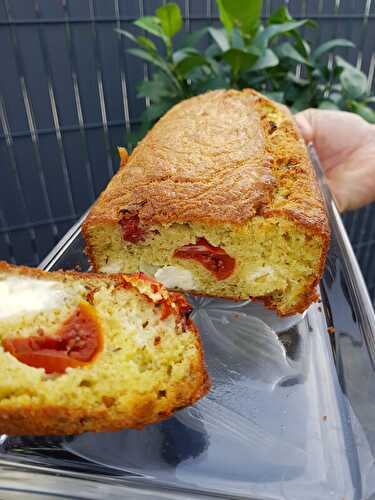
(341, 197)
(306, 123)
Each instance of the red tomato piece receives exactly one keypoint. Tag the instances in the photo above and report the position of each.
(131, 230)
(77, 342)
(214, 259)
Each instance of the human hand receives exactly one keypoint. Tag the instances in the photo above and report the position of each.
(345, 143)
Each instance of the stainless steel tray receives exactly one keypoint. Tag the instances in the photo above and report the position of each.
(291, 414)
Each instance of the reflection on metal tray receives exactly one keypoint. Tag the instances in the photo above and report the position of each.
(281, 421)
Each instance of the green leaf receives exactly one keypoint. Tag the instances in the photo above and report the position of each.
(156, 110)
(353, 81)
(154, 59)
(344, 64)
(275, 96)
(220, 37)
(187, 60)
(292, 92)
(140, 40)
(287, 50)
(327, 104)
(151, 24)
(292, 77)
(127, 34)
(263, 37)
(224, 16)
(191, 39)
(237, 39)
(215, 67)
(253, 79)
(335, 97)
(331, 44)
(239, 60)
(303, 101)
(267, 60)
(179, 55)
(212, 51)
(361, 109)
(146, 43)
(244, 14)
(146, 56)
(133, 137)
(324, 72)
(152, 89)
(156, 89)
(170, 19)
(281, 15)
(219, 82)
(318, 73)
(301, 45)
(337, 70)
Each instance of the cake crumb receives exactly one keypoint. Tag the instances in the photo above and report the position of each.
(108, 401)
(331, 329)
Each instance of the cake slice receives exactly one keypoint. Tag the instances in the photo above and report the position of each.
(220, 199)
(85, 352)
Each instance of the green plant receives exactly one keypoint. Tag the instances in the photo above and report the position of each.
(272, 57)
(177, 74)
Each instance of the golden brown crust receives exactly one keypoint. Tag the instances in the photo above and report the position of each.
(193, 153)
(60, 420)
(63, 420)
(311, 295)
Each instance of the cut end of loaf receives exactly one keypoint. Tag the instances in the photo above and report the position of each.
(276, 260)
(150, 364)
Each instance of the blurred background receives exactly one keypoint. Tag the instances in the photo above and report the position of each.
(68, 96)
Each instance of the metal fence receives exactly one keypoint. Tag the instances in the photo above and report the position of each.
(68, 98)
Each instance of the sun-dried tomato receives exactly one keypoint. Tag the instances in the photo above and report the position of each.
(214, 259)
(76, 343)
(131, 229)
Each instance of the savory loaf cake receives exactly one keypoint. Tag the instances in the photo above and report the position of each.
(219, 198)
(86, 352)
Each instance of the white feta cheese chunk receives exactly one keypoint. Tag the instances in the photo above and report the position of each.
(28, 295)
(111, 267)
(175, 277)
(260, 272)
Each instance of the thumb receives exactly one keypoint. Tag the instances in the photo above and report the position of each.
(304, 122)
